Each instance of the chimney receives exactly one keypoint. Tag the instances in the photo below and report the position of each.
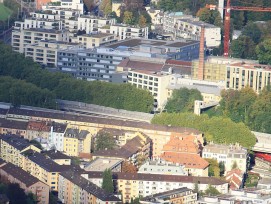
(201, 54)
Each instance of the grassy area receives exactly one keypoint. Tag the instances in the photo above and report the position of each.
(4, 12)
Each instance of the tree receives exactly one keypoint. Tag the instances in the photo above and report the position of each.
(107, 184)
(182, 100)
(196, 188)
(263, 51)
(252, 31)
(142, 22)
(89, 4)
(212, 191)
(222, 168)
(128, 18)
(106, 7)
(210, 16)
(213, 169)
(234, 165)
(104, 141)
(16, 194)
(243, 47)
(127, 167)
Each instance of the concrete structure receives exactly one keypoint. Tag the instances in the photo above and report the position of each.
(122, 31)
(45, 51)
(24, 37)
(228, 154)
(246, 196)
(101, 164)
(181, 195)
(56, 136)
(159, 166)
(93, 23)
(190, 28)
(27, 182)
(74, 188)
(135, 185)
(214, 69)
(240, 75)
(94, 40)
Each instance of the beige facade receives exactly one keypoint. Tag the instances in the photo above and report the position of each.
(23, 37)
(28, 183)
(241, 75)
(94, 40)
(116, 8)
(45, 51)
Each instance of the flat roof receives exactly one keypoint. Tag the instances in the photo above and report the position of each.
(101, 164)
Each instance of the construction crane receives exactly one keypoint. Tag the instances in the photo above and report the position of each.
(227, 21)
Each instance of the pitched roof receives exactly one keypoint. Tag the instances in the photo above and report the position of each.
(38, 126)
(54, 154)
(72, 117)
(20, 174)
(20, 125)
(160, 177)
(89, 186)
(130, 148)
(59, 127)
(76, 133)
(188, 160)
(16, 141)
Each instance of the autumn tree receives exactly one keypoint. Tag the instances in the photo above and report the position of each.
(142, 22)
(210, 16)
(127, 167)
(234, 165)
(213, 169)
(128, 17)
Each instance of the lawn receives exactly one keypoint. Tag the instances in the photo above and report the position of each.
(4, 12)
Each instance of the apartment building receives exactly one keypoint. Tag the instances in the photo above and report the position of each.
(93, 23)
(56, 136)
(169, 21)
(181, 195)
(58, 157)
(13, 127)
(228, 154)
(77, 5)
(214, 69)
(122, 31)
(45, 51)
(24, 37)
(94, 39)
(12, 146)
(43, 168)
(186, 151)
(240, 75)
(137, 147)
(74, 188)
(38, 129)
(154, 74)
(159, 134)
(26, 181)
(159, 166)
(134, 185)
(76, 141)
(190, 28)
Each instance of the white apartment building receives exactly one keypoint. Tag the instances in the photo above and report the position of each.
(240, 75)
(126, 31)
(155, 82)
(23, 37)
(93, 23)
(56, 136)
(162, 167)
(228, 154)
(45, 51)
(65, 4)
(190, 28)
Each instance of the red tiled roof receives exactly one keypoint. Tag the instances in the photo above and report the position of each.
(188, 160)
(265, 157)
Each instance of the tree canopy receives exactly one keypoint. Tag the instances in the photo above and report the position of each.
(107, 184)
(44, 86)
(221, 130)
(182, 100)
(104, 140)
